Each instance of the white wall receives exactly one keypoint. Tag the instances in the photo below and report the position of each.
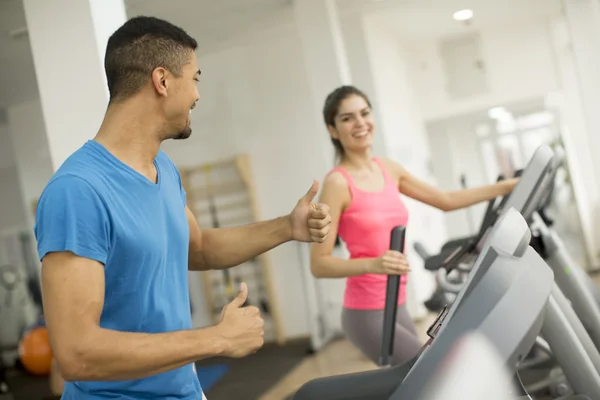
(74, 119)
(522, 62)
(407, 144)
(449, 141)
(355, 36)
(6, 154)
(583, 24)
(31, 153)
(519, 66)
(12, 212)
(519, 63)
(578, 137)
(254, 99)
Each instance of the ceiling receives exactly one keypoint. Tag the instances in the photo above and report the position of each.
(418, 20)
(210, 21)
(213, 22)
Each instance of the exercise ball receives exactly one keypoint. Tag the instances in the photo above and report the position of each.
(35, 352)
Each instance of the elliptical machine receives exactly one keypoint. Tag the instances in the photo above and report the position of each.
(497, 300)
(441, 296)
(539, 368)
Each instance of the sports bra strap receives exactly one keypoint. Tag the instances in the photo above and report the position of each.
(386, 175)
(389, 182)
(349, 179)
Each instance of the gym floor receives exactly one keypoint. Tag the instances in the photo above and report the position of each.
(337, 357)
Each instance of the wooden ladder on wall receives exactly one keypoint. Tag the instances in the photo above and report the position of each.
(223, 194)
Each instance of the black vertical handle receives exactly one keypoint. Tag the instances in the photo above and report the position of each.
(391, 300)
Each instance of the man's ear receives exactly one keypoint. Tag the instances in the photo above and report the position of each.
(159, 81)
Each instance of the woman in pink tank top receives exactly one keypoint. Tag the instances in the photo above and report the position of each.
(364, 194)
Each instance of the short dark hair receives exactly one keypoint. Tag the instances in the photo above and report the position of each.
(331, 108)
(138, 47)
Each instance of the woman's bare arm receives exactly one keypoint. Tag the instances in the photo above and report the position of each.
(336, 195)
(422, 191)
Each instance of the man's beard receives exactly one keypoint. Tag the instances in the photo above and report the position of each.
(184, 134)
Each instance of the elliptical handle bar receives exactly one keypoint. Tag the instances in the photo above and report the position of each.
(397, 240)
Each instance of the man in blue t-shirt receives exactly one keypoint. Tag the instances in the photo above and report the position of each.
(116, 237)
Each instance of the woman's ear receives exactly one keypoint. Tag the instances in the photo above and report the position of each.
(333, 132)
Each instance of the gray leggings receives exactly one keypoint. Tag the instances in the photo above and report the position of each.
(364, 330)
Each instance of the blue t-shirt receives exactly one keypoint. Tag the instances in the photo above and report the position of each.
(99, 208)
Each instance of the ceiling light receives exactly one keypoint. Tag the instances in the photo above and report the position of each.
(497, 112)
(463, 15)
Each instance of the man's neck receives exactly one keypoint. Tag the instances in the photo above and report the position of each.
(130, 135)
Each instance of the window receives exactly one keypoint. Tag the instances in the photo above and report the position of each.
(511, 140)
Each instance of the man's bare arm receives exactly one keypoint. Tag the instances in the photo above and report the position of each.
(227, 247)
(73, 295)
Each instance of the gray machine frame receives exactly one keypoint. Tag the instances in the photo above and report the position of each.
(564, 330)
(568, 337)
(472, 359)
(506, 269)
(572, 280)
(524, 199)
(570, 277)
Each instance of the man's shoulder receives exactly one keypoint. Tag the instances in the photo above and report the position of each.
(78, 174)
(83, 167)
(81, 162)
(69, 180)
(66, 189)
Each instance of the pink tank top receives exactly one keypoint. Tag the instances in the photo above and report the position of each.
(365, 227)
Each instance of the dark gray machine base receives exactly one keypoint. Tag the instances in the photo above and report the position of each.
(372, 385)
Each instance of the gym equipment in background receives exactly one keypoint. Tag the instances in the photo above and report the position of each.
(18, 308)
(222, 194)
(5, 393)
(32, 265)
(441, 297)
(35, 351)
(454, 255)
(469, 211)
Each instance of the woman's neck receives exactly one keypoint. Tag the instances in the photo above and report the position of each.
(358, 161)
